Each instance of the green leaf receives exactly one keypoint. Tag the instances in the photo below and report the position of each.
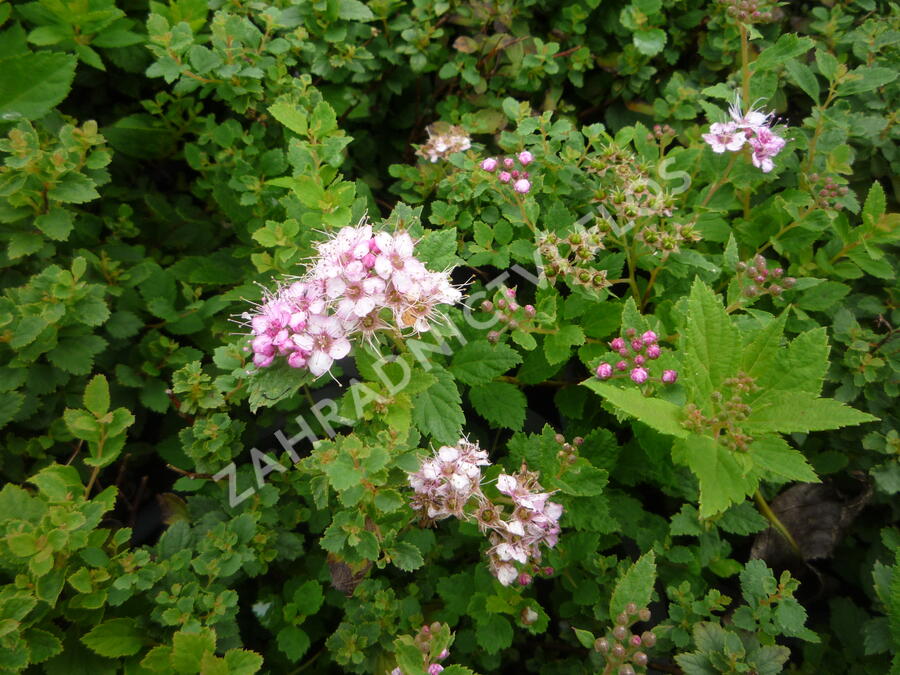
(558, 346)
(827, 64)
(96, 395)
(437, 249)
(32, 84)
(585, 637)
(500, 403)
(773, 454)
(803, 76)
(188, 649)
(43, 645)
(291, 116)
(56, 223)
(865, 78)
(76, 354)
(243, 662)
(74, 188)
(661, 415)
(354, 10)
(788, 46)
(437, 411)
(494, 633)
(115, 638)
(636, 585)
(723, 479)
(792, 411)
(875, 205)
(406, 556)
(649, 41)
(712, 342)
(294, 642)
(58, 483)
(308, 598)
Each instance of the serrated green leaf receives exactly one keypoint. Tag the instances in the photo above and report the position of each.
(406, 556)
(188, 650)
(661, 415)
(115, 638)
(710, 339)
(437, 249)
(293, 642)
(437, 411)
(480, 362)
(723, 479)
(96, 396)
(793, 411)
(558, 346)
(502, 404)
(636, 585)
(32, 84)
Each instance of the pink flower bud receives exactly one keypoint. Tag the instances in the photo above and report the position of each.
(653, 351)
(604, 371)
(515, 173)
(368, 261)
(635, 640)
(435, 668)
(524, 579)
(617, 344)
(489, 165)
(639, 375)
(522, 186)
(630, 333)
(669, 376)
(547, 571)
(529, 310)
(639, 360)
(525, 158)
(637, 345)
(621, 365)
(649, 337)
(511, 293)
(444, 654)
(504, 176)
(509, 163)
(624, 351)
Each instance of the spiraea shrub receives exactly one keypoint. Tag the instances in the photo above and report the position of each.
(409, 337)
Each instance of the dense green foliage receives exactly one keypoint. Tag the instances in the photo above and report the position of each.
(169, 507)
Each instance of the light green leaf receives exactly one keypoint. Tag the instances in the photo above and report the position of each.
(636, 585)
(661, 415)
(480, 362)
(294, 642)
(354, 10)
(773, 454)
(291, 116)
(710, 339)
(792, 411)
(723, 479)
(32, 84)
(96, 395)
(558, 346)
(115, 638)
(437, 249)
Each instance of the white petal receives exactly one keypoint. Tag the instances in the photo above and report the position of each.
(319, 362)
(339, 349)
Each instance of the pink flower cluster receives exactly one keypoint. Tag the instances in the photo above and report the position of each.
(361, 282)
(425, 640)
(447, 482)
(635, 352)
(508, 173)
(753, 128)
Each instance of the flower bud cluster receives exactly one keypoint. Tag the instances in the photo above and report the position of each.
(568, 452)
(623, 650)
(508, 312)
(632, 355)
(728, 413)
(569, 258)
(448, 482)
(756, 279)
(423, 640)
(667, 237)
(508, 173)
(826, 192)
(660, 132)
(359, 283)
(752, 11)
(443, 140)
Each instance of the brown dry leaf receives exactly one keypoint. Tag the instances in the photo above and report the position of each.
(817, 516)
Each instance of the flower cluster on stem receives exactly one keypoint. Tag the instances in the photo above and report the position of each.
(724, 421)
(508, 312)
(443, 140)
(753, 129)
(756, 278)
(449, 484)
(622, 649)
(507, 173)
(633, 356)
(360, 283)
(570, 258)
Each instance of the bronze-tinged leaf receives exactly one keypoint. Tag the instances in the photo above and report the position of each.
(345, 578)
(817, 515)
(465, 44)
